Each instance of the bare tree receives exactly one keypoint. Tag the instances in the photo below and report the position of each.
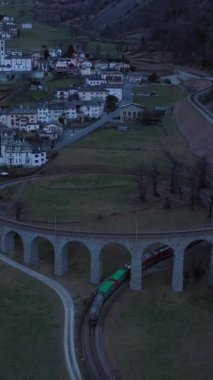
(194, 189)
(142, 183)
(210, 200)
(19, 208)
(173, 178)
(202, 168)
(155, 180)
(167, 204)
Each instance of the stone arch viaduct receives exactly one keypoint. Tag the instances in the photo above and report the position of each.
(95, 242)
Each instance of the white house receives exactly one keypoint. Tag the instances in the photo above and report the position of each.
(20, 153)
(62, 93)
(13, 117)
(116, 91)
(64, 64)
(26, 25)
(95, 80)
(55, 53)
(14, 62)
(99, 92)
(93, 92)
(136, 77)
(52, 131)
(92, 110)
(85, 71)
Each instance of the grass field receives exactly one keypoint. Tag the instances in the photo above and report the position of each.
(107, 202)
(127, 149)
(110, 205)
(167, 95)
(29, 97)
(157, 334)
(63, 83)
(31, 329)
(104, 49)
(39, 35)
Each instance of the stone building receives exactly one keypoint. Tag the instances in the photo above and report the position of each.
(131, 111)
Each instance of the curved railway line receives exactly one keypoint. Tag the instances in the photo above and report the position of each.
(93, 345)
(92, 336)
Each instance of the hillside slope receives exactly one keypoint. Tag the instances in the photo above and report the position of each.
(185, 28)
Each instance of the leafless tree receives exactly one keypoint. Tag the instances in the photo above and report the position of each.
(194, 189)
(173, 174)
(19, 207)
(155, 180)
(210, 205)
(202, 170)
(142, 182)
(167, 204)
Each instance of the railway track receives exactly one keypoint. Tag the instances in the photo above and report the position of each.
(92, 336)
(93, 345)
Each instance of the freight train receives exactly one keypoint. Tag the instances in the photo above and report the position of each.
(107, 287)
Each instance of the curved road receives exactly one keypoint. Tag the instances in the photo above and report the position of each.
(69, 342)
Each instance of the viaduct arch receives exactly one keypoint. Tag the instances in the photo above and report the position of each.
(96, 243)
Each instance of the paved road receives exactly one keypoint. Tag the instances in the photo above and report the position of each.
(69, 346)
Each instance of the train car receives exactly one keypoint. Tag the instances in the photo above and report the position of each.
(120, 275)
(95, 309)
(106, 288)
(102, 293)
(151, 258)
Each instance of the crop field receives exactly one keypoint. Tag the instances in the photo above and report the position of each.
(167, 95)
(157, 334)
(31, 329)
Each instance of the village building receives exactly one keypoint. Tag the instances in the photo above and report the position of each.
(15, 61)
(66, 64)
(20, 153)
(62, 93)
(114, 80)
(92, 109)
(26, 25)
(95, 80)
(115, 90)
(131, 111)
(136, 77)
(52, 112)
(51, 132)
(94, 92)
(100, 92)
(14, 117)
(85, 71)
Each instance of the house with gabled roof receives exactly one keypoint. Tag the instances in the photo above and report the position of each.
(131, 111)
